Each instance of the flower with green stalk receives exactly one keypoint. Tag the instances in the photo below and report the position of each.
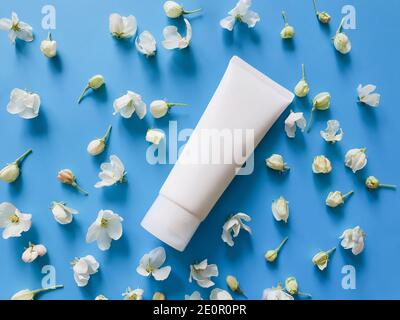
(337, 198)
(159, 108)
(321, 101)
(372, 183)
(27, 294)
(323, 17)
(302, 88)
(233, 284)
(292, 287)
(94, 83)
(341, 41)
(271, 255)
(288, 31)
(321, 259)
(174, 10)
(11, 172)
(97, 146)
(66, 176)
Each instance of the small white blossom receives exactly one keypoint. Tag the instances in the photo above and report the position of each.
(49, 47)
(353, 239)
(159, 108)
(150, 265)
(24, 104)
(288, 31)
(294, 120)
(136, 294)
(94, 83)
(323, 16)
(233, 226)
(341, 40)
(122, 27)
(280, 209)
(194, 296)
(367, 96)
(107, 227)
(11, 172)
(129, 104)
(111, 173)
(146, 44)
(337, 198)
(219, 294)
(302, 88)
(276, 162)
(356, 159)
(62, 214)
(174, 10)
(33, 252)
(27, 294)
(101, 297)
(321, 259)
(83, 268)
(242, 13)
(202, 272)
(97, 146)
(321, 164)
(276, 294)
(13, 221)
(155, 136)
(174, 40)
(333, 133)
(16, 29)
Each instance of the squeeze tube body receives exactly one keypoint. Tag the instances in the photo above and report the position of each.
(245, 99)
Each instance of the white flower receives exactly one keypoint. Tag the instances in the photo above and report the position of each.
(130, 294)
(174, 10)
(111, 173)
(321, 259)
(321, 164)
(94, 83)
(33, 252)
(11, 172)
(276, 162)
(129, 104)
(219, 294)
(173, 39)
(150, 265)
(333, 132)
(97, 146)
(154, 136)
(49, 47)
(13, 221)
(101, 297)
(27, 294)
(336, 198)
(322, 101)
(302, 88)
(159, 108)
(241, 12)
(341, 40)
(276, 294)
(122, 27)
(194, 296)
(271, 255)
(280, 209)
(366, 95)
(233, 226)
(356, 159)
(288, 31)
(323, 17)
(294, 120)
(202, 272)
(16, 29)
(146, 44)
(83, 268)
(107, 227)
(353, 239)
(62, 214)
(23, 103)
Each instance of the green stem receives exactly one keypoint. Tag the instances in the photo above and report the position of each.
(304, 294)
(315, 8)
(107, 133)
(340, 26)
(18, 161)
(35, 292)
(173, 104)
(284, 16)
(310, 121)
(80, 189)
(240, 292)
(347, 194)
(83, 93)
(49, 37)
(303, 73)
(282, 243)
(330, 251)
(391, 186)
(191, 11)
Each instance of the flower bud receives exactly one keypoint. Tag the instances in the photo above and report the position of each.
(101, 297)
(324, 17)
(10, 173)
(159, 296)
(96, 147)
(232, 283)
(334, 199)
(287, 32)
(302, 88)
(173, 9)
(66, 176)
(96, 82)
(276, 162)
(291, 285)
(372, 183)
(154, 136)
(356, 159)
(321, 164)
(49, 48)
(271, 255)
(321, 259)
(280, 209)
(342, 43)
(159, 108)
(322, 101)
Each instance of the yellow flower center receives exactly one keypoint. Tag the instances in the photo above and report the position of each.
(104, 223)
(133, 296)
(149, 269)
(14, 218)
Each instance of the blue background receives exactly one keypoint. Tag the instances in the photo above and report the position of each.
(60, 134)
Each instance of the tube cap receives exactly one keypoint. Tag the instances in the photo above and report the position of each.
(170, 223)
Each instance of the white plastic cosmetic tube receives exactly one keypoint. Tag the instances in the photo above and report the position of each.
(246, 103)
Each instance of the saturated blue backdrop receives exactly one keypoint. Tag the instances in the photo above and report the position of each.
(60, 135)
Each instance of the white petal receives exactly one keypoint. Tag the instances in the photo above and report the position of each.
(103, 240)
(251, 18)
(157, 257)
(130, 26)
(25, 33)
(93, 233)
(372, 99)
(172, 37)
(141, 269)
(161, 274)
(364, 91)
(227, 237)
(115, 24)
(228, 23)
(5, 24)
(114, 229)
(188, 31)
